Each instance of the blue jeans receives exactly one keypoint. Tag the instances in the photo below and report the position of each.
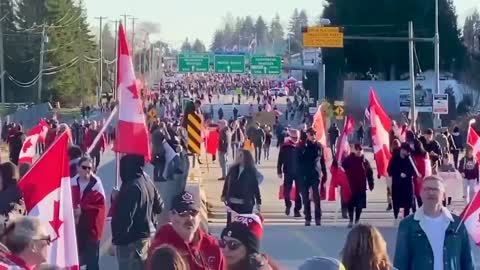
(223, 159)
(90, 254)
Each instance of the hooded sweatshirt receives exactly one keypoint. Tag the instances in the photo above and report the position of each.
(137, 204)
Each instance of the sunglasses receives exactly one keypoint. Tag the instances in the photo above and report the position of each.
(231, 245)
(86, 168)
(192, 213)
(47, 239)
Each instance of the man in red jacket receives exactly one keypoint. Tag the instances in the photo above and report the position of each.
(89, 208)
(200, 250)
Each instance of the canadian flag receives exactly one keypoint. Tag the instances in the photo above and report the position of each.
(339, 178)
(471, 218)
(319, 127)
(473, 139)
(34, 135)
(47, 194)
(381, 125)
(132, 132)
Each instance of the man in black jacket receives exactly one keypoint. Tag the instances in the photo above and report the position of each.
(287, 166)
(313, 163)
(134, 217)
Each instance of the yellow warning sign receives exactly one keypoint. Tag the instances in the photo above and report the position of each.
(194, 131)
(323, 37)
(339, 110)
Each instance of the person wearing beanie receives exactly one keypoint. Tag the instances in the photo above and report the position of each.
(240, 242)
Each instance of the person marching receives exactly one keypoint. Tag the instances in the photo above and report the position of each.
(359, 172)
(311, 153)
(401, 170)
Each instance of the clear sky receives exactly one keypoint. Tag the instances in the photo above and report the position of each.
(197, 19)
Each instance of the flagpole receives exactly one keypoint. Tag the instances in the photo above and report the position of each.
(100, 133)
(469, 205)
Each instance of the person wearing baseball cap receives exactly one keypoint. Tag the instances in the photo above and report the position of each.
(240, 243)
(199, 249)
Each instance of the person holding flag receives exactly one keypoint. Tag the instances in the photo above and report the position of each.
(433, 238)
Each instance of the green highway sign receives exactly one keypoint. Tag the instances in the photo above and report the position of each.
(266, 65)
(193, 62)
(229, 63)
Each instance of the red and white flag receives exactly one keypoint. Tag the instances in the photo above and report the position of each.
(381, 125)
(319, 127)
(473, 140)
(33, 136)
(471, 218)
(47, 194)
(339, 178)
(132, 132)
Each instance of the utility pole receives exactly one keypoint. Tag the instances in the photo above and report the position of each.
(411, 45)
(117, 22)
(132, 43)
(100, 83)
(42, 58)
(125, 16)
(437, 121)
(2, 67)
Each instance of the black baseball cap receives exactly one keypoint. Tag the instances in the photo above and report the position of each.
(184, 202)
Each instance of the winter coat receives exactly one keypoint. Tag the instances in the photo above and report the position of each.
(402, 187)
(136, 206)
(11, 202)
(359, 172)
(288, 159)
(242, 185)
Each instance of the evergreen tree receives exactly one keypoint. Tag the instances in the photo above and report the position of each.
(218, 42)
(471, 32)
(186, 46)
(276, 30)
(261, 31)
(198, 46)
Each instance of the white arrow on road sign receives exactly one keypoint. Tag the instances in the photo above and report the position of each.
(265, 70)
(228, 68)
(193, 68)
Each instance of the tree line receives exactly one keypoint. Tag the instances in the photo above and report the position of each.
(70, 52)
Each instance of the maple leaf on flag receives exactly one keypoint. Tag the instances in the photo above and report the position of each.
(133, 89)
(27, 145)
(56, 223)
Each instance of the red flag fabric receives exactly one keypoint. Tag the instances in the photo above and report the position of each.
(212, 141)
(132, 132)
(381, 125)
(47, 194)
(473, 141)
(92, 203)
(319, 127)
(339, 178)
(293, 192)
(33, 136)
(471, 218)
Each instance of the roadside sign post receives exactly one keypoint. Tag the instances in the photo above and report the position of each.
(229, 63)
(266, 65)
(440, 103)
(193, 62)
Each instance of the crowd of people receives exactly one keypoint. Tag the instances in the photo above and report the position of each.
(156, 222)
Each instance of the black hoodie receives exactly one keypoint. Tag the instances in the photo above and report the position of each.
(137, 204)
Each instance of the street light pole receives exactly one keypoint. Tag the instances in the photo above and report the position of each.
(100, 82)
(42, 58)
(411, 45)
(437, 121)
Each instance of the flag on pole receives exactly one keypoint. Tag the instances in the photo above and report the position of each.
(34, 135)
(473, 139)
(381, 125)
(47, 194)
(471, 218)
(319, 127)
(132, 132)
(339, 178)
